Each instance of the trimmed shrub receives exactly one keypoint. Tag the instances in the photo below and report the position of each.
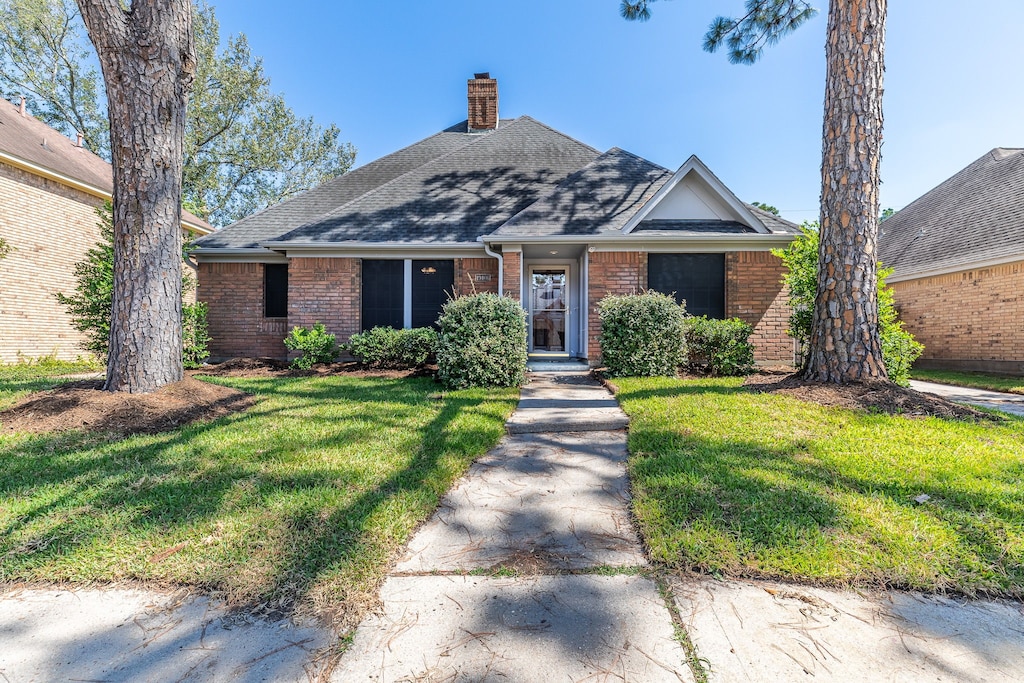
(642, 335)
(388, 348)
(718, 347)
(316, 345)
(482, 342)
(194, 334)
(899, 348)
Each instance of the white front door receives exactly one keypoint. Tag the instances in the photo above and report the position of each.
(549, 310)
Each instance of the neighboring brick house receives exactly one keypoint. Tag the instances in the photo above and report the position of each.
(507, 206)
(50, 188)
(958, 259)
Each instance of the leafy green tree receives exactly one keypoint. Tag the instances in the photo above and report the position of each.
(766, 207)
(92, 302)
(90, 305)
(899, 348)
(844, 341)
(45, 57)
(244, 148)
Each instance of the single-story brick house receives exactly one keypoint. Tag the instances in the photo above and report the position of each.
(509, 206)
(50, 188)
(958, 259)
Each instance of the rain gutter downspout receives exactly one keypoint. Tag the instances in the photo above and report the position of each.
(501, 265)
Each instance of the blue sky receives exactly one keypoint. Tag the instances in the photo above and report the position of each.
(392, 73)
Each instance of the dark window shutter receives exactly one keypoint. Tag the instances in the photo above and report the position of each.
(383, 293)
(432, 283)
(275, 290)
(699, 279)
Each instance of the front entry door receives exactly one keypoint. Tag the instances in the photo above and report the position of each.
(549, 310)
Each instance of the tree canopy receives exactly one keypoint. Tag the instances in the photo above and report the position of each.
(244, 148)
(844, 343)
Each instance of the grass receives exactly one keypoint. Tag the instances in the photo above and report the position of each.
(977, 380)
(303, 500)
(762, 485)
(21, 378)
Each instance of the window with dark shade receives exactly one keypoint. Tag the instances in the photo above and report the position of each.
(432, 283)
(698, 279)
(275, 290)
(383, 293)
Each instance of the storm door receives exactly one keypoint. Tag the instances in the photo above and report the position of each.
(549, 310)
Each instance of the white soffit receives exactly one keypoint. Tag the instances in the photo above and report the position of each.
(695, 193)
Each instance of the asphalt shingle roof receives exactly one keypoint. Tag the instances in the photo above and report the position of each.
(976, 215)
(692, 227)
(458, 196)
(31, 140)
(278, 219)
(600, 198)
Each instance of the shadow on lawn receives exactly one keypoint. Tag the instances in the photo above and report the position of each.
(309, 519)
(791, 511)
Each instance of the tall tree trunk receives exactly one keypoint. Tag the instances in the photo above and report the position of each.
(844, 343)
(147, 56)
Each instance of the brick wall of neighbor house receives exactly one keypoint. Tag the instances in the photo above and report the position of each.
(234, 292)
(513, 267)
(611, 273)
(476, 275)
(49, 227)
(971, 320)
(754, 293)
(325, 290)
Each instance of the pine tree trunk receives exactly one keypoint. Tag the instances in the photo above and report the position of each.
(148, 61)
(844, 343)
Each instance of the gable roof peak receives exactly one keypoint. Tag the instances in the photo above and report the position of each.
(693, 164)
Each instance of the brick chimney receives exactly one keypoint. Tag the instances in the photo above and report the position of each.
(483, 103)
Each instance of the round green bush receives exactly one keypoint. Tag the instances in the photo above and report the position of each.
(482, 342)
(316, 344)
(642, 335)
(388, 348)
(719, 347)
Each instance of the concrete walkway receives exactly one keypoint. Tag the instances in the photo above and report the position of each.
(995, 400)
(528, 571)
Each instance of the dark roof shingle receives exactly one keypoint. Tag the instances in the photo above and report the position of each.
(600, 198)
(458, 196)
(976, 215)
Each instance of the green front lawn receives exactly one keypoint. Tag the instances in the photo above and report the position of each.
(977, 380)
(745, 484)
(17, 380)
(304, 499)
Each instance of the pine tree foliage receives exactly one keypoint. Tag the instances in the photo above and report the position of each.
(746, 36)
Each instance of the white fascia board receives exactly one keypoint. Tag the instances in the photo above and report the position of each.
(250, 255)
(640, 242)
(950, 270)
(695, 165)
(87, 188)
(379, 249)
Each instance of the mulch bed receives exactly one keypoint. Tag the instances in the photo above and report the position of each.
(272, 367)
(883, 397)
(84, 405)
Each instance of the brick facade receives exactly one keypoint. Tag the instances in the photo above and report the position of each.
(476, 275)
(755, 294)
(49, 227)
(234, 293)
(326, 290)
(611, 273)
(971, 320)
(513, 267)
